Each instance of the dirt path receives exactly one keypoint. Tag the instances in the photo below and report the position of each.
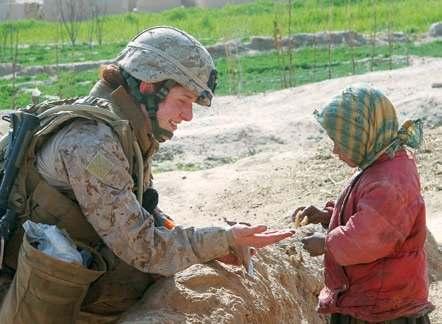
(282, 157)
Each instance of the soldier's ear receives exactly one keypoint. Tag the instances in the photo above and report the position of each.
(146, 87)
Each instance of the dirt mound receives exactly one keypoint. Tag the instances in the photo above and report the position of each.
(283, 290)
(237, 127)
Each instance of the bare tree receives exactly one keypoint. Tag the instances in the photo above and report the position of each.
(315, 58)
(132, 19)
(90, 31)
(373, 35)
(390, 28)
(58, 43)
(330, 51)
(98, 10)
(4, 39)
(350, 37)
(408, 44)
(290, 44)
(233, 68)
(6, 48)
(9, 35)
(277, 43)
(14, 48)
(390, 46)
(70, 13)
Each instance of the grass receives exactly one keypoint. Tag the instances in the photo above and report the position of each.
(66, 85)
(47, 54)
(42, 44)
(263, 72)
(433, 49)
(254, 73)
(245, 20)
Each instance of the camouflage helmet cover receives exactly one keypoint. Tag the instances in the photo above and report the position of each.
(163, 53)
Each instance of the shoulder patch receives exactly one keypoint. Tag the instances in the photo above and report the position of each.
(99, 166)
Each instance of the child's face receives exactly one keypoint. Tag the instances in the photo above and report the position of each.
(342, 156)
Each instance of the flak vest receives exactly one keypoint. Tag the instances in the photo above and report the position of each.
(33, 198)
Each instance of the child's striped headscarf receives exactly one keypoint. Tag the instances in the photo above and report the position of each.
(363, 124)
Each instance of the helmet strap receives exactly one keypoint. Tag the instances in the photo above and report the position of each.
(151, 102)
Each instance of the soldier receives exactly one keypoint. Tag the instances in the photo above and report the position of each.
(86, 171)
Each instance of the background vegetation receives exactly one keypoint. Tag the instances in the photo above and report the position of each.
(31, 43)
(250, 19)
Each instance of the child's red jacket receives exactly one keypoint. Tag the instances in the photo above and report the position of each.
(375, 263)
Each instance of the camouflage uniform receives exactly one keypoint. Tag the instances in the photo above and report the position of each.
(83, 181)
(86, 159)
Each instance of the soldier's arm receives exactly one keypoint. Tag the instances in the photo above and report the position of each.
(97, 171)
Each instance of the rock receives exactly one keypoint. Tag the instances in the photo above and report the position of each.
(77, 66)
(435, 30)
(394, 37)
(220, 49)
(299, 40)
(7, 68)
(356, 39)
(261, 43)
(322, 39)
(264, 43)
(399, 37)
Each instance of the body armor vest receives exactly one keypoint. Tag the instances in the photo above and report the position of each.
(33, 198)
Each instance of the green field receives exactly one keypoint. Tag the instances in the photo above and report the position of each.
(255, 18)
(51, 54)
(248, 74)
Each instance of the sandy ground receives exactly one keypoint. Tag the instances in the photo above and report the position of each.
(273, 156)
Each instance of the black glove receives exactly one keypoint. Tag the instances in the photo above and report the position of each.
(150, 204)
(150, 200)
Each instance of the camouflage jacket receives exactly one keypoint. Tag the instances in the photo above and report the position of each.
(85, 160)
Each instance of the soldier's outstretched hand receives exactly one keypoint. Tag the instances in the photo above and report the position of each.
(310, 215)
(257, 236)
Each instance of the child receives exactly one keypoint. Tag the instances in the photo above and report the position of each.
(375, 263)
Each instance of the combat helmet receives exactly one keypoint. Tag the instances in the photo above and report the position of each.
(166, 53)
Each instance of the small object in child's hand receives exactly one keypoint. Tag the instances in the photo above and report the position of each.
(300, 221)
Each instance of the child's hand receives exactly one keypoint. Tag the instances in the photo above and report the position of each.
(314, 244)
(310, 215)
